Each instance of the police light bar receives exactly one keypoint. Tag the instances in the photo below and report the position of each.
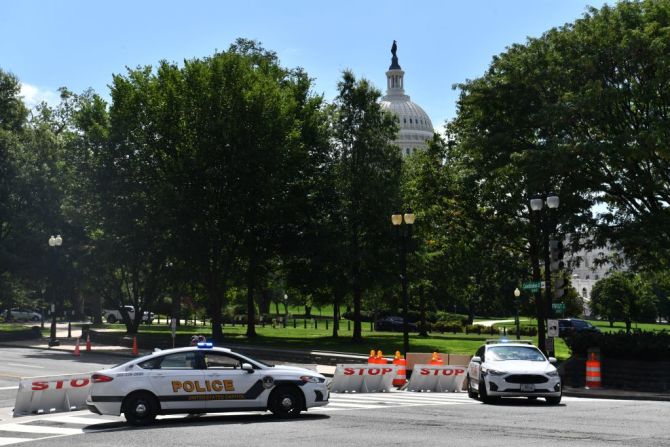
(205, 345)
(491, 341)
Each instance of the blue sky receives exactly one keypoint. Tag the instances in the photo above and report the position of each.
(79, 44)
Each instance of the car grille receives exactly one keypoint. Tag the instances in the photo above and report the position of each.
(526, 378)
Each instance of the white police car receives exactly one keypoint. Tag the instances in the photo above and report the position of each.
(512, 369)
(203, 379)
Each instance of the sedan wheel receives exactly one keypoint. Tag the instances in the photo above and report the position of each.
(140, 409)
(553, 400)
(286, 403)
(472, 394)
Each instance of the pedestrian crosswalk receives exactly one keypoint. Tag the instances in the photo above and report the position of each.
(32, 428)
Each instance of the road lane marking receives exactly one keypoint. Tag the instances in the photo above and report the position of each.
(8, 441)
(80, 420)
(24, 365)
(39, 429)
(2, 388)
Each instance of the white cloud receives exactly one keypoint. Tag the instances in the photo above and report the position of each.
(33, 95)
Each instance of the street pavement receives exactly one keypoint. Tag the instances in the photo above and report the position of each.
(69, 345)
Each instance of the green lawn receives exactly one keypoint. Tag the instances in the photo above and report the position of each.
(321, 339)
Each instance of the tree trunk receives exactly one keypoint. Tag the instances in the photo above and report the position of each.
(251, 308)
(336, 312)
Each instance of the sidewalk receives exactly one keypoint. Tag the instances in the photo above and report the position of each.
(68, 345)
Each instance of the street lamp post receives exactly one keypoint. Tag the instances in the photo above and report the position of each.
(54, 242)
(517, 294)
(403, 225)
(544, 226)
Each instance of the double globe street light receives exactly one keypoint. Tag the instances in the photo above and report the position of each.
(55, 243)
(403, 224)
(545, 228)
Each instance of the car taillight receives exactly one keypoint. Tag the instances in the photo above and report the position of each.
(101, 378)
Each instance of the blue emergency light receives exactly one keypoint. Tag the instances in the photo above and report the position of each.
(205, 345)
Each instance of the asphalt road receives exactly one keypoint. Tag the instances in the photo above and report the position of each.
(385, 419)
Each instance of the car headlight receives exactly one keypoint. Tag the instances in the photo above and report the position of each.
(553, 373)
(493, 372)
(310, 379)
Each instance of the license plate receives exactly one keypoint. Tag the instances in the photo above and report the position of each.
(527, 387)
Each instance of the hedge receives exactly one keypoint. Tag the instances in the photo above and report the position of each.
(637, 345)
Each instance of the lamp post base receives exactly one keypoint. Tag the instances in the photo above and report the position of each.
(54, 343)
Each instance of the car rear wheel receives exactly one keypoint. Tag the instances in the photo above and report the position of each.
(35, 318)
(285, 402)
(111, 319)
(140, 409)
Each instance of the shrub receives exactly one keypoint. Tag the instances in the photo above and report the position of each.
(638, 345)
(447, 326)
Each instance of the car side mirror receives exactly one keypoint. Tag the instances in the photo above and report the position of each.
(552, 359)
(247, 367)
(476, 359)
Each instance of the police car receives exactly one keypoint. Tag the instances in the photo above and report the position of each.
(512, 369)
(203, 379)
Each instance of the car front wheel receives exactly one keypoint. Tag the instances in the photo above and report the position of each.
(483, 394)
(111, 319)
(472, 394)
(286, 403)
(553, 400)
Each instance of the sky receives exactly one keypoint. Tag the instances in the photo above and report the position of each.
(48, 44)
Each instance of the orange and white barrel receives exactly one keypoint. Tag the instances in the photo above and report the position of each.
(401, 374)
(593, 377)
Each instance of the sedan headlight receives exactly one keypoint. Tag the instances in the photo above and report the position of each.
(553, 373)
(310, 379)
(493, 372)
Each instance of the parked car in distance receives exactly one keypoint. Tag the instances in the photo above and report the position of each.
(570, 326)
(23, 315)
(112, 316)
(394, 324)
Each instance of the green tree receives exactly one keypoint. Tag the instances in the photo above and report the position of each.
(623, 295)
(368, 177)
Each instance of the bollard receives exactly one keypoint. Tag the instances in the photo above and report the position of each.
(294, 323)
(326, 324)
(348, 325)
(304, 322)
(316, 325)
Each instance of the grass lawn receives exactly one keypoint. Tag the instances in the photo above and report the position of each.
(321, 339)
(12, 327)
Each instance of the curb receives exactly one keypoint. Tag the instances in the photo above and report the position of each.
(615, 394)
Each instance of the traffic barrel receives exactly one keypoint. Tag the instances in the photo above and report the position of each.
(436, 359)
(401, 375)
(76, 349)
(593, 378)
(372, 358)
(88, 343)
(380, 358)
(135, 350)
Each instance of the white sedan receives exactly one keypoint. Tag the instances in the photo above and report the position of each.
(203, 379)
(508, 369)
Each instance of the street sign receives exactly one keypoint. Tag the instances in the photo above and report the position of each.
(533, 286)
(552, 328)
(558, 307)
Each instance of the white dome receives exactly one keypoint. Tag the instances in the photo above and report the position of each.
(415, 124)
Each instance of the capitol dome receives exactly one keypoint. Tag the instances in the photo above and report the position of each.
(415, 125)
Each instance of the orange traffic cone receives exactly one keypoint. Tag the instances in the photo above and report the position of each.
(380, 358)
(436, 359)
(372, 358)
(135, 351)
(76, 349)
(88, 343)
(401, 375)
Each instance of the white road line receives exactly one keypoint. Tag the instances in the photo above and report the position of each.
(81, 420)
(39, 429)
(351, 405)
(26, 366)
(2, 388)
(8, 441)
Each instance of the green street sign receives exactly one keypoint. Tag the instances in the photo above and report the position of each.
(558, 307)
(532, 285)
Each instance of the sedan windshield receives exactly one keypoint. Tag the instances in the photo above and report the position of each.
(501, 353)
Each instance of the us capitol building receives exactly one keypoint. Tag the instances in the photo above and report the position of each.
(415, 125)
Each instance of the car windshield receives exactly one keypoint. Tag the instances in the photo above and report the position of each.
(502, 353)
